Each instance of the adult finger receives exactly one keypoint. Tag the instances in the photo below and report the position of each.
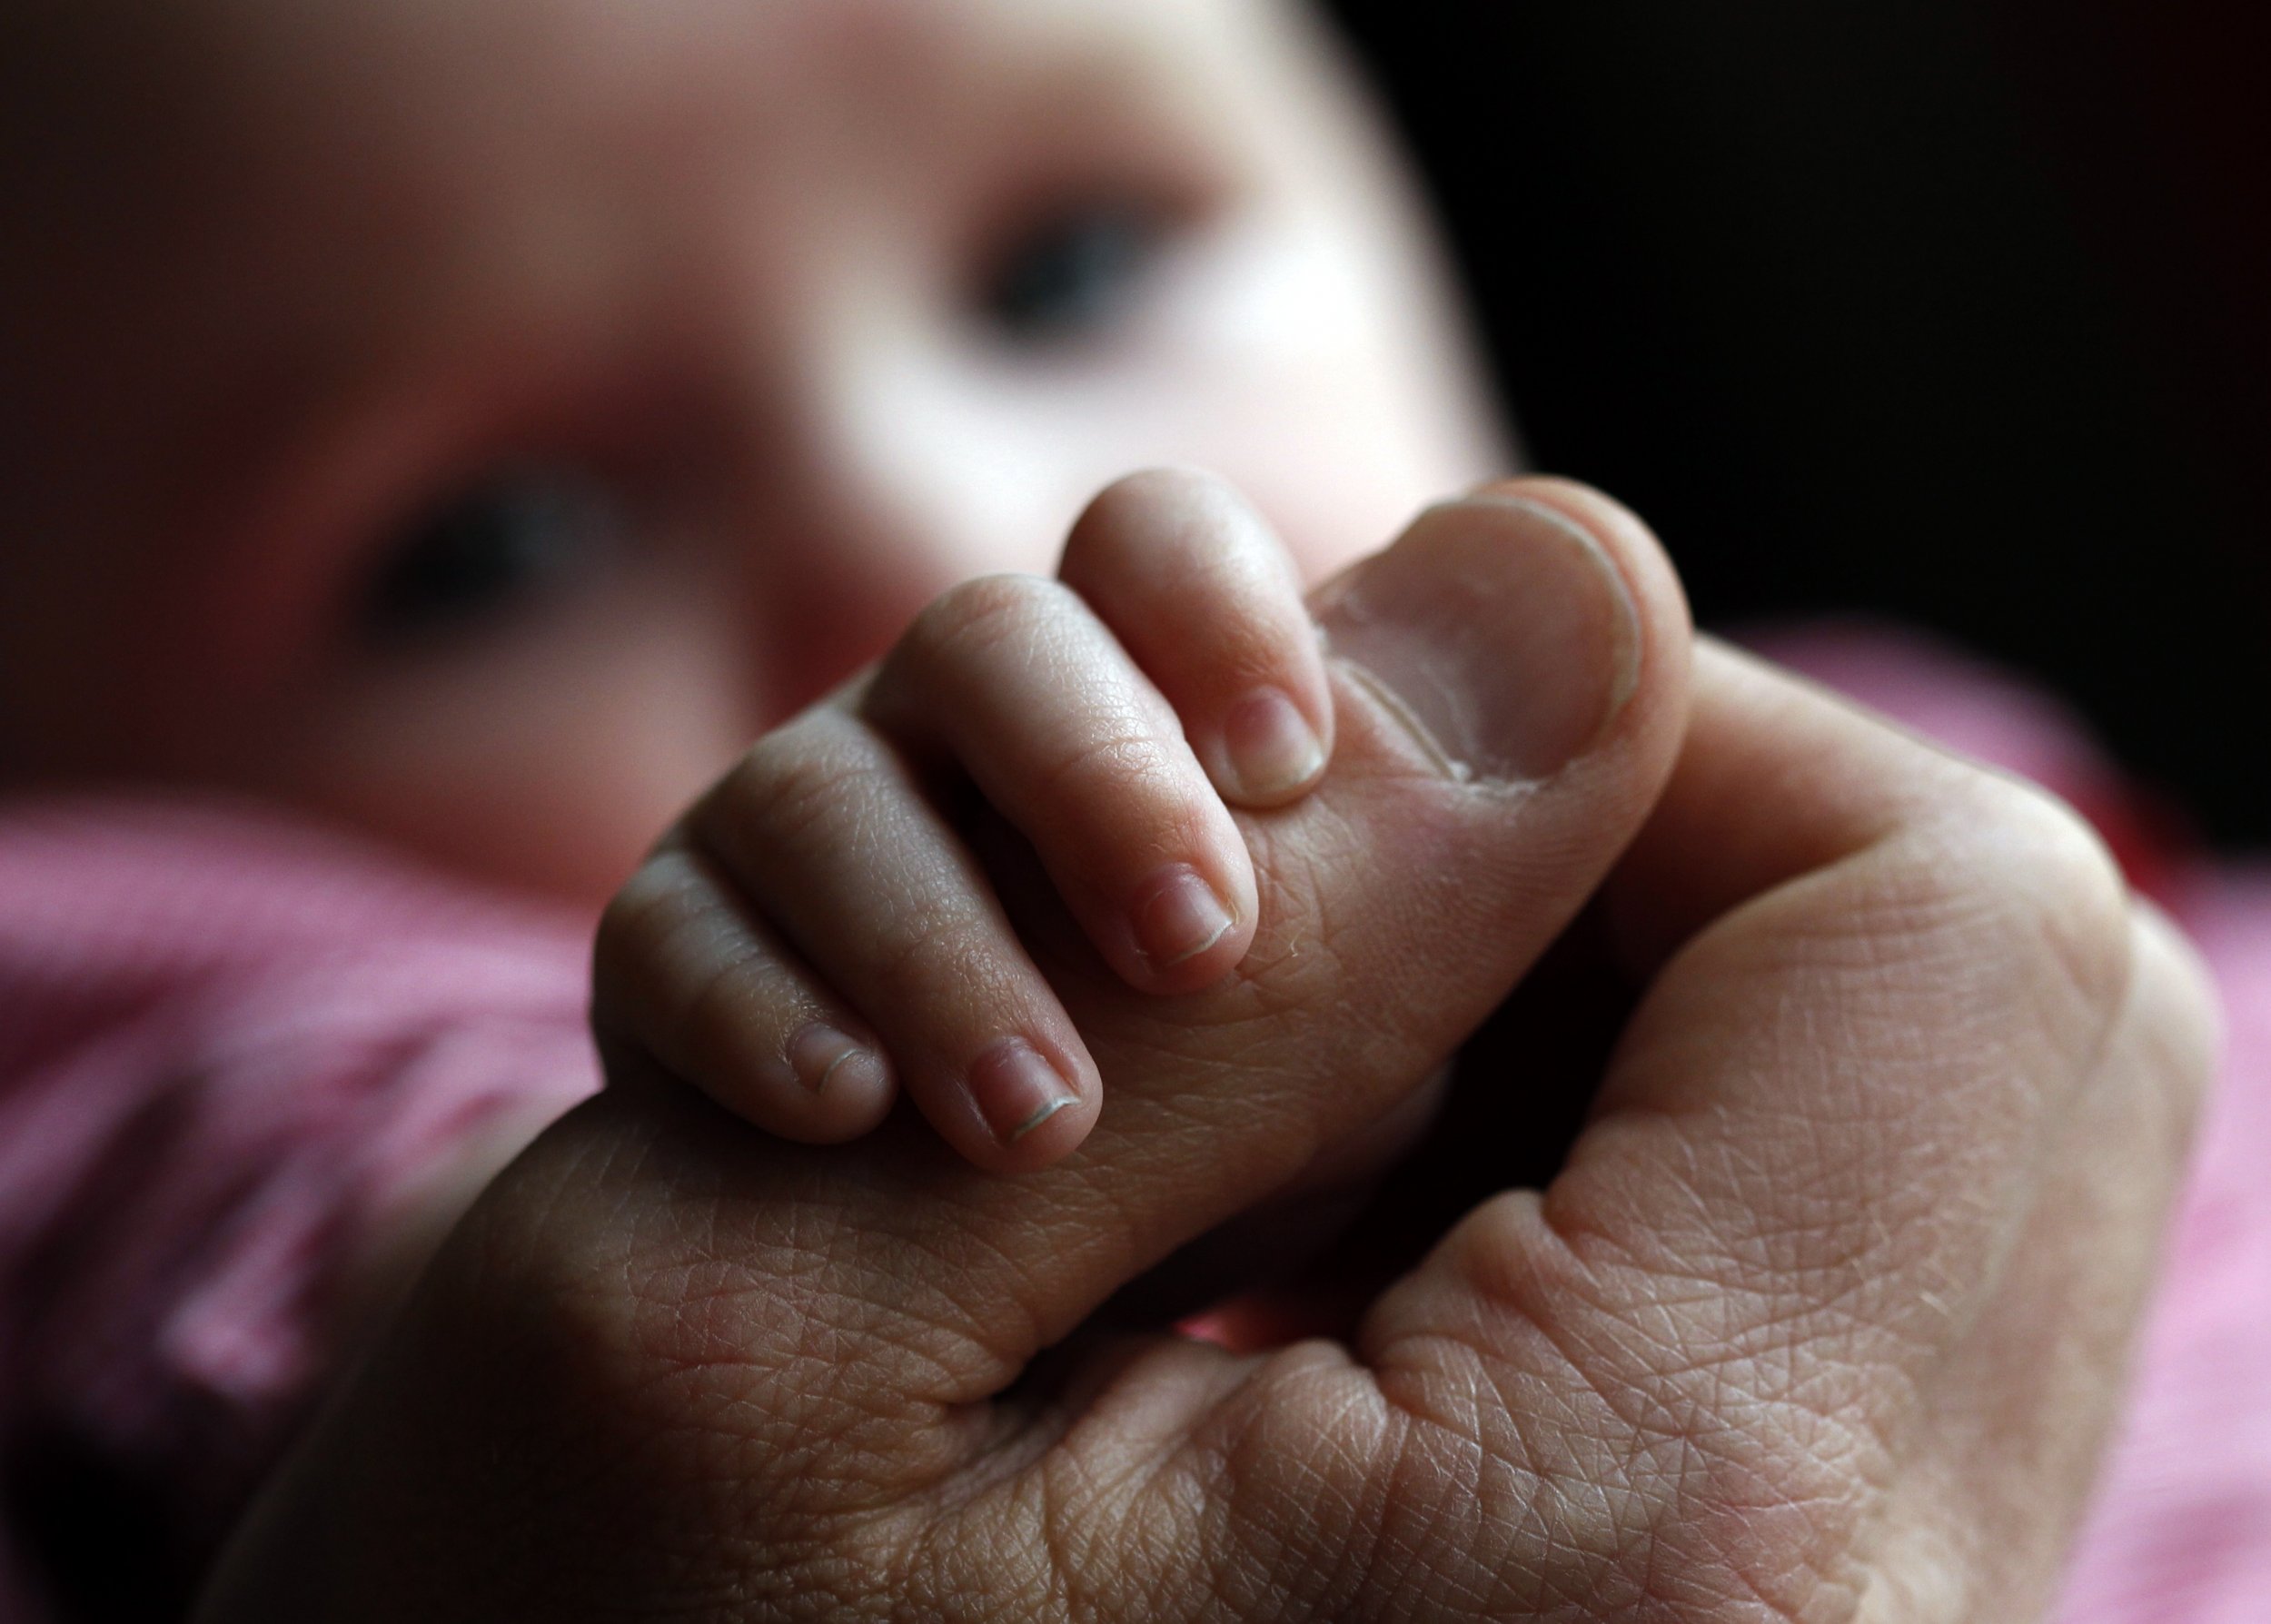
(1977, 1522)
(1887, 978)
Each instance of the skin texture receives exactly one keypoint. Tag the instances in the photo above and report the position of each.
(1823, 1320)
(1820, 1320)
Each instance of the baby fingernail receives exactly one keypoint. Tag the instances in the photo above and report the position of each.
(819, 1054)
(1177, 917)
(1018, 1090)
(1269, 749)
(1499, 631)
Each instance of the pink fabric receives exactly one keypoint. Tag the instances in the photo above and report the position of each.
(230, 1047)
(2181, 1529)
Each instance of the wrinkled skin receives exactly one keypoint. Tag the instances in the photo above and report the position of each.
(1822, 1318)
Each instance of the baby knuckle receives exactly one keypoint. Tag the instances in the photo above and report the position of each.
(631, 950)
(933, 943)
(1115, 769)
(976, 616)
(1157, 517)
(1124, 517)
(662, 888)
(797, 778)
(625, 925)
(1148, 492)
(724, 1001)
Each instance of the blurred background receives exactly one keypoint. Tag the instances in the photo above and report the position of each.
(1952, 312)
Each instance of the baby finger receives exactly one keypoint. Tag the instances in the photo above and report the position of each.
(1201, 592)
(685, 971)
(823, 825)
(1014, 681)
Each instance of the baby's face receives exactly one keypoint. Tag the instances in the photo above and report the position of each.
(477, 418)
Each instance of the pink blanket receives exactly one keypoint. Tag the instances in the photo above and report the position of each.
(230, 1049)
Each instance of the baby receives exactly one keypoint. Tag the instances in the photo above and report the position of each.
(488, 425)
(423, 404)
(472, 424)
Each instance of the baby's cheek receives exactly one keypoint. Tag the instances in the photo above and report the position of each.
(548, 771)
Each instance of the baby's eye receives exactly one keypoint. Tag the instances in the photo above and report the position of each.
(502, 544)
(1073, 272)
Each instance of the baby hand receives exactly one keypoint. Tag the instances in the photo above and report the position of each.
(817, 931)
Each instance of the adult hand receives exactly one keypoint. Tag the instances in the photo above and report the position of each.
(1822, 1318)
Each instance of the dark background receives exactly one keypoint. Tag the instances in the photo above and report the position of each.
(1956, 314)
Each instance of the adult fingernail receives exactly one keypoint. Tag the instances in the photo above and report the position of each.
(819, 1054)
(1498, 629)
(1269, 749)
(1018, 1090)
(1178, 916)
